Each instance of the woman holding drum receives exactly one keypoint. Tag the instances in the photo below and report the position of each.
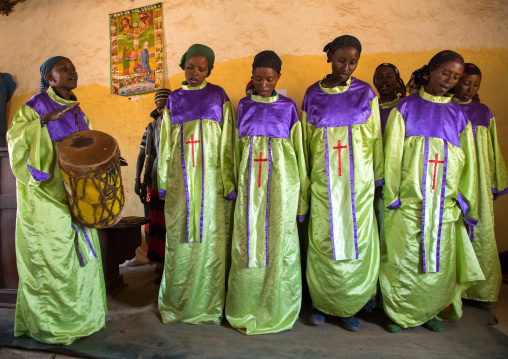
(61, 295)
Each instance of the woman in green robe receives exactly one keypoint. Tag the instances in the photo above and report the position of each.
(342, 133)
(196, 175)
(430, 188)
(265, 284)
(61, 294)
(492, 182)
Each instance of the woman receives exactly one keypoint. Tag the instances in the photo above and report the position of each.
(431, 178)
(195, 171)
(61, 294)
(391, 89)
(265, 285)
(345, 154)
(492, 182)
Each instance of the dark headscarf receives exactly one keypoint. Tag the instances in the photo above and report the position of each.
(268, 59)
(45, 68)
(421, 76)
(198, 49)
(162, 94)
(342, 41)
(471, 69)
(400, 89)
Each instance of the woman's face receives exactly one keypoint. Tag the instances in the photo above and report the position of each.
(467, 87)
(264, 80)
(344, 62)
(444, 78)
(385, 81)
(196, 70)
(63, 75)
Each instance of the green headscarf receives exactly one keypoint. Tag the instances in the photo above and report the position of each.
(198, 49)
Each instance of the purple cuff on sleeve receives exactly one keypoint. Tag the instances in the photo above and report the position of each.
(162, 194)
(379, 182)
(502, 193)
(231, 196)
(301, 218)
(37, 175)
(394, 205)
(465, 207)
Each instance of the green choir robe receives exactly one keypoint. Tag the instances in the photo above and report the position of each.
(265, 288)
(61, 294)
(431, 183)
(344, 148)
(492, 178)
(195, 174)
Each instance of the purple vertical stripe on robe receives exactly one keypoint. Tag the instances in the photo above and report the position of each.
(66, 125)
(80, 255)
(88, 240)
(202, 182)
(248, 204)
(443, 190)
(185, 182)
(267, 195)
(352, 180)
(329, 190)
(471, 233)
(424, 188)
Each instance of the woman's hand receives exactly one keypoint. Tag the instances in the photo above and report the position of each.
(137, 187)
(58, 114)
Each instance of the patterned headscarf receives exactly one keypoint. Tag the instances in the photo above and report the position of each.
(45, 68)
(421, 76)
(342, 41)
(471, 69)
(198, 49)
(400, 88)
(162, 94)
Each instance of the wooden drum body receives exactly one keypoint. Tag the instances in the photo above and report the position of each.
(90, 166)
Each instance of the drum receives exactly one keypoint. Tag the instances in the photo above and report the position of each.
(90, 165)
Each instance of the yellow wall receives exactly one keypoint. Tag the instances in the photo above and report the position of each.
(405, 33)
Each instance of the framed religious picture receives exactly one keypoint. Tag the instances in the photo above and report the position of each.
(136, 50)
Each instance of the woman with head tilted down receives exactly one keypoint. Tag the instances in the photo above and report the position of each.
(345, 153)
(195, 176)
(265, 285)
(430, 188)
(61, 294)
(492, 182)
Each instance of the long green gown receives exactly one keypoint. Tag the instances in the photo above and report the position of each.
(265, 285)
(196, 174)
(345, 153)
(492, 178)
(61, 294)
(430, 186)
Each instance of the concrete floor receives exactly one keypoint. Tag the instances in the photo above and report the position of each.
(134, 330)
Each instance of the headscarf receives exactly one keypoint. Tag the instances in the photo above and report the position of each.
(471, 69)
(249, 85)
(45, 68)
(162, 94)
(342, 41)
(268, 59)
(421, 76)
(198, 49)
(400, 88)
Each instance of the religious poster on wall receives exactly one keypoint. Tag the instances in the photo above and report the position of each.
(136, 50)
